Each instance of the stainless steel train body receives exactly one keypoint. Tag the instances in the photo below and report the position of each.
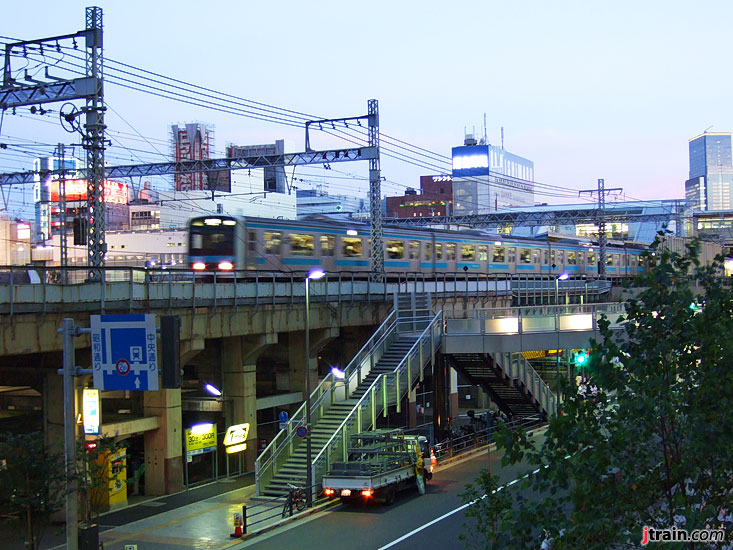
(230, 243)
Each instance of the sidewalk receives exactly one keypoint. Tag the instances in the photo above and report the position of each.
(201, 518)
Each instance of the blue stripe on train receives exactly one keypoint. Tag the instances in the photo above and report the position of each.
(431, 265)
(361, 263)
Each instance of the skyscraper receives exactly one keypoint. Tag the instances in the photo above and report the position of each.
(711, 172)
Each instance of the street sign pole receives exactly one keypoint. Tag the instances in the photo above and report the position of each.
(72, 514)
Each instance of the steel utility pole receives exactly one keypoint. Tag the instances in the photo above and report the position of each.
(375, 196)
(602, 237)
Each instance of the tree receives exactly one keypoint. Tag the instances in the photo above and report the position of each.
(32, 482)
(654, 447)
(93, 474)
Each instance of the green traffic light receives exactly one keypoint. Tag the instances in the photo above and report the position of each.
(580, 358)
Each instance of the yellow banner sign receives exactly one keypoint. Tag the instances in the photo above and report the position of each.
(198, 440)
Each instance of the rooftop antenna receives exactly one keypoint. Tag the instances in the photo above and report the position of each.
(705, 131)
(486, 140)
(502, 138)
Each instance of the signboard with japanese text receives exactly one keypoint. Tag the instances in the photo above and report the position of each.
(200, 442)
(124, 352)
(91, 412)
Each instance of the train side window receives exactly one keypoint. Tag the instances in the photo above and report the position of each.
(414, 250)
(302, 244)
(483, 253)
(511, 254)
(468, 252)
(328, 244)
(395, 250)
(498, 254)
(251, 243)
(351, 246)
(591, 258)
(273, 242)
(609, 259)
(572, 260)
(560, 257)
(581, 258)
(525, 256)
(438, 251)
(544, 257)
(553, 256)
(536, 257)
(428, 251)
(450, 252)
(617, 259)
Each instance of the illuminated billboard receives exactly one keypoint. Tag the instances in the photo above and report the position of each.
(470, 160)
(115, 192)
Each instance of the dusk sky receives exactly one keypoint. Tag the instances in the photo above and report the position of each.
(584, 90)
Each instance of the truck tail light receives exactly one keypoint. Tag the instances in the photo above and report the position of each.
(366, 493)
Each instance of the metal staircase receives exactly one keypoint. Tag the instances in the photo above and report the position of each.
(510, 380)
(379, 376)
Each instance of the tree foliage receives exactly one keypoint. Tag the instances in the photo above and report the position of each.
(32, 482)
(655, 446)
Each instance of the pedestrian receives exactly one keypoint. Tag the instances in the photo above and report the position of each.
(420, 472)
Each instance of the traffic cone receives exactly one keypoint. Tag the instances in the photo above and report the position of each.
(433, 461)
(237, 528)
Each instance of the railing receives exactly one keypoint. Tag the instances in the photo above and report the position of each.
(518, 368)
(329, 391)
(533, 319)
(386, 389)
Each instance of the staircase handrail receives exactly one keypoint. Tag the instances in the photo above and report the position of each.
(397, 369)
(539, 388)
(283, 438)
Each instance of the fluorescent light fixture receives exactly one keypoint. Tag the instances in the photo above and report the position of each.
(198, 429)
(563, 277)
(315, 273)
(338, 373)
(212, 390)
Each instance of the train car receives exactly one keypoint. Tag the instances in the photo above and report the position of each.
(225, 243)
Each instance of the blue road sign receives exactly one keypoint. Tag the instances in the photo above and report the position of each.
(283, 416)
(124, 352)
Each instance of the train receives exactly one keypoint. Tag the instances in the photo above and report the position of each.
(225, 243)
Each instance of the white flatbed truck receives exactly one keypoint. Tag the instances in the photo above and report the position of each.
(380, 463)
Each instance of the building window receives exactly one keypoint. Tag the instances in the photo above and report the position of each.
(328, 244)
(273, 240)
(351, 246)
(395, 250)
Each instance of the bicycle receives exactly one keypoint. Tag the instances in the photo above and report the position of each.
(296, 498)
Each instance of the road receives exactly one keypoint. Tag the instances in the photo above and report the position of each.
(373, 527)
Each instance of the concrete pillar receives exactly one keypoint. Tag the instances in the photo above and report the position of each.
(239, 386)
(164, 446)
(297, 356)
(440, 414)
(453, 393)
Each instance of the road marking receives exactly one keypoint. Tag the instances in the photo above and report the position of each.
(463, 507)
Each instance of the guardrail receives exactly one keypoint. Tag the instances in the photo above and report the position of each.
(329, 391)
(385, 390)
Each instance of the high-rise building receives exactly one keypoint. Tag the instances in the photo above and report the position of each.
(487, 177)
(192, 142)
(711, 172)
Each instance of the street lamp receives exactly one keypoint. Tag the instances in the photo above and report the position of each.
(562, 277)
(315, 273)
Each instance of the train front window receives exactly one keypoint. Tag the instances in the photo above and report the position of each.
(351, 246)
(395, 250)
(302, 245)
(212, 240)
(273, 242)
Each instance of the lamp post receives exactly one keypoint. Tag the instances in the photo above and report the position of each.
(562, 277)
(315, 273)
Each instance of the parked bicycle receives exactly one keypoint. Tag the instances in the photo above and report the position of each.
(296, 499)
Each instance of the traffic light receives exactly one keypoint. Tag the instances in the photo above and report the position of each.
(581, 358)
(91, 445)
